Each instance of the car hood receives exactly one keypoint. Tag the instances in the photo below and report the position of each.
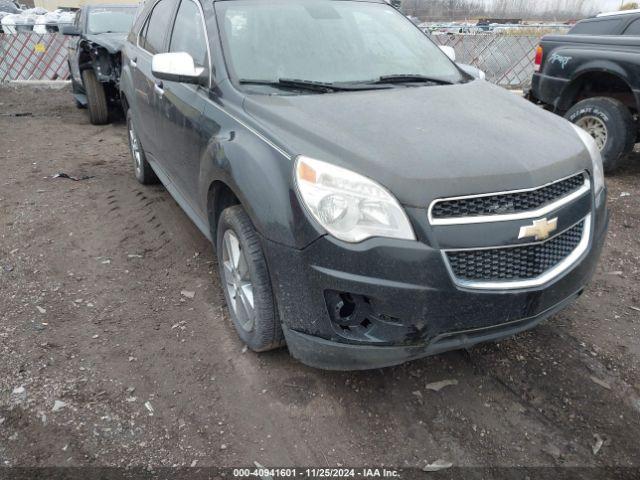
(113, 42)
(427, 142)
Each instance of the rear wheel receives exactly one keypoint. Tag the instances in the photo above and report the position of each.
(143, 171)
(245, 281)
(96, 98)
(610, 124)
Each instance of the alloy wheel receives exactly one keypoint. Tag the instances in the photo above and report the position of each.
(135, 149)
(238, 281)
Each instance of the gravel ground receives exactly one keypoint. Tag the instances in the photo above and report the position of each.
(104, 362)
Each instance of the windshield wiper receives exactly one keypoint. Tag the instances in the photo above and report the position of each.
(411, 78)
(310, 85)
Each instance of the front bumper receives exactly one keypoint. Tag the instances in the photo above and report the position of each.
(414, 309)
(326, 354)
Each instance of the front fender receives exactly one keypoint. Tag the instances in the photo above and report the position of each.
(259, 175)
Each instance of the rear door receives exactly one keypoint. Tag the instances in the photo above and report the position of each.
(181, 104)
(151, 40)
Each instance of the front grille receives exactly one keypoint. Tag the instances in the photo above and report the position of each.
(514, 263)
(507, 203)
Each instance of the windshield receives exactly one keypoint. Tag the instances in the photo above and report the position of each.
(110, 20)
(326, 41)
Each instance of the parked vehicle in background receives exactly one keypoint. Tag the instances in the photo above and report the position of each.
(591, 77)
(37, 20)
(95, 60)
(361, 206)
(8, 6)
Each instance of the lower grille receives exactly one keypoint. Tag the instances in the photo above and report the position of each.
(515, 263)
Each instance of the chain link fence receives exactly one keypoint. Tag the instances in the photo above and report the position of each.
(31, 56)
(504, 52)
(506, 59)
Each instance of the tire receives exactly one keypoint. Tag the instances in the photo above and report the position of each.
(141, 168)
(600, 114)
(262, 332)
(96, 98)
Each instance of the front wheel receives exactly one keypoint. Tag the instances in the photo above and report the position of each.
(245, 281)
(96, 98)
(610, 124)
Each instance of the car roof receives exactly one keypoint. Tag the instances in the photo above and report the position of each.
(621, 12)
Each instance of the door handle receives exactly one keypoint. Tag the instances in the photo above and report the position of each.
(133, 62)
(158, 87)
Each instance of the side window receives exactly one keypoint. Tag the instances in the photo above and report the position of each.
(143, 33)
(598, 27)
(633, 28)
(152, 34)
(188, 33)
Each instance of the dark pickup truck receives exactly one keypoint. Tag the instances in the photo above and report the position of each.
(592, 77)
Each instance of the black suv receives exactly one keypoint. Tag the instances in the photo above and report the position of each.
(97, 35)
(591, 77)
(362, 206)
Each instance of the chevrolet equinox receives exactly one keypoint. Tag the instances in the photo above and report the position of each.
(370, 201)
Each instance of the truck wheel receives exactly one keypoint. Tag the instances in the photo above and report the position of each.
(96, 98)
(611, 125)
(143, 171)
(245, 281)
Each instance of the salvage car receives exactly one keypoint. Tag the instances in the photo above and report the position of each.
(362, 209)
(98, 33)
(590, 76)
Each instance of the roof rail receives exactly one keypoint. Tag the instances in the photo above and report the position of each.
(621, 12)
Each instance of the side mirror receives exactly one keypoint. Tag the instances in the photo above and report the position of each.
(71, 30)
(449, 52)
(473, 71)
(177, 67)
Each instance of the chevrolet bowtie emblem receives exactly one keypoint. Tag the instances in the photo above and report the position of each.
(540, 230)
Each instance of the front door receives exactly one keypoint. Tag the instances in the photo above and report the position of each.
(181, 106)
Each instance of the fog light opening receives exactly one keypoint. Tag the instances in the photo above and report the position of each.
(346, 306)
(349, 311)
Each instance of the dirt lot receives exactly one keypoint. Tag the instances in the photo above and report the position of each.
(91, 315)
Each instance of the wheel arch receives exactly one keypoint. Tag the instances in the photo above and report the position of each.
(596, 82)
(219, 196)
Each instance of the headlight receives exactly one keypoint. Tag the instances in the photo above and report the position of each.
(596, 159)
(349, 206)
